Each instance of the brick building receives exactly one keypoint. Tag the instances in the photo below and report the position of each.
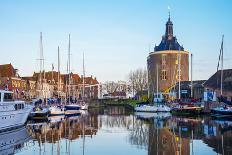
(164, 62)
(10, 80)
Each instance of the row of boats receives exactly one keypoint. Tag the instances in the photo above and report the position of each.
(68, 110)
(14, 114)
(179, 107)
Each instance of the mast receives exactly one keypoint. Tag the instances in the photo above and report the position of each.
(41, 67)
(69, 74)
(179, 72)
(58, 73)
(191, 75)
(157, 80)
(83, 81)
(222, 64)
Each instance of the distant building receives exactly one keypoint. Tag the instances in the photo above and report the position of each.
(185, 86)
(91, 88)
(10, 80)
(214, 84)
(164, 61)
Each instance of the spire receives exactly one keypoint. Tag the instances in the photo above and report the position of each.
(169, 13)
(169, 27)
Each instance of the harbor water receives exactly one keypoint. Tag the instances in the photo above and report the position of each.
(119, 131)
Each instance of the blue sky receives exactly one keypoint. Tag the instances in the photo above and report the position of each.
(115, 35)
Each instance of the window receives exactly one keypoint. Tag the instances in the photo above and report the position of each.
(164, 75)
(164, 59)
(8, 97)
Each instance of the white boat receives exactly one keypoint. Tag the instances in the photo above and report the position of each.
(40, 113)
(146, 108)
(56, 110)
(13, 141)
(12, 113)
(163, 108)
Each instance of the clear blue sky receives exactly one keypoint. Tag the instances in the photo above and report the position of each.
(115, 35)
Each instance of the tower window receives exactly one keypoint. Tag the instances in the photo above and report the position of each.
(164, 75)
(164, 59)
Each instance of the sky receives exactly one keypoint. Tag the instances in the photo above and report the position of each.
(115, 36)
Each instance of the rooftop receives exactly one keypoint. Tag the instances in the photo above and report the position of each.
(169, 42)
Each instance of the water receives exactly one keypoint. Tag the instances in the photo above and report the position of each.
(117, 131)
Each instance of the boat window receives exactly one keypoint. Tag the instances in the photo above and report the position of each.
(22, 106)
(16, 107)
(8, 97)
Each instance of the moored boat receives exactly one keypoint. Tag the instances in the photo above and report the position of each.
(226, 110)
(187, 109)
(56, 110)
(146, 108)
(40, 113)
(12, 113)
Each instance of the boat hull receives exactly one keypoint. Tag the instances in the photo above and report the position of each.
(146, 108)
(55, 111)
(186, 111)
(14, 118)
(72, 107)
(221, 111)
(42, 114)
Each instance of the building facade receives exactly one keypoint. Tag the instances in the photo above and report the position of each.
(163, 63)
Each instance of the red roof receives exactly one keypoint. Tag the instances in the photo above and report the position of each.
(7, 70)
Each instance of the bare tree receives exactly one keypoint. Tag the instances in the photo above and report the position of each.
(110, 86)
(138, 80)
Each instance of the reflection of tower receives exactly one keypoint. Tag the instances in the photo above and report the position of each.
(164, 141)
(165, 56)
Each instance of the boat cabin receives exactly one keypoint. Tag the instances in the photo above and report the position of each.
(6, 96)
(158, 97)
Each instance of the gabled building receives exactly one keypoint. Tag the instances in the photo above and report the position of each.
(10, 80)
(214, 83)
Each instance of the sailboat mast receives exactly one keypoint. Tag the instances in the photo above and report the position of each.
(157, 80)
(222, 64)
(41, 66)
(179, 72)
(191, 75)
(58, 74)
(69, 74)
(83, 81)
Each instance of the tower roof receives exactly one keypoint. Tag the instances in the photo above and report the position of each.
(169, 41)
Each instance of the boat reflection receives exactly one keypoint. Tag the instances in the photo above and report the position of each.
(13, 141)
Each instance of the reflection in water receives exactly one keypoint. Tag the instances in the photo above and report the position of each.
(13, 141)
(115, 130)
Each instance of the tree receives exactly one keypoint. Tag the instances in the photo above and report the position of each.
(138, 80)
(110, 86)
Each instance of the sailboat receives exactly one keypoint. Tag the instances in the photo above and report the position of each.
(70, 108)
(180, 107)
(40, 112)
(158, 98)
(226, 109)
(83, 103)
(57, 110)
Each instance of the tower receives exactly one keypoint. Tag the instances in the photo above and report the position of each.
(162, 63)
